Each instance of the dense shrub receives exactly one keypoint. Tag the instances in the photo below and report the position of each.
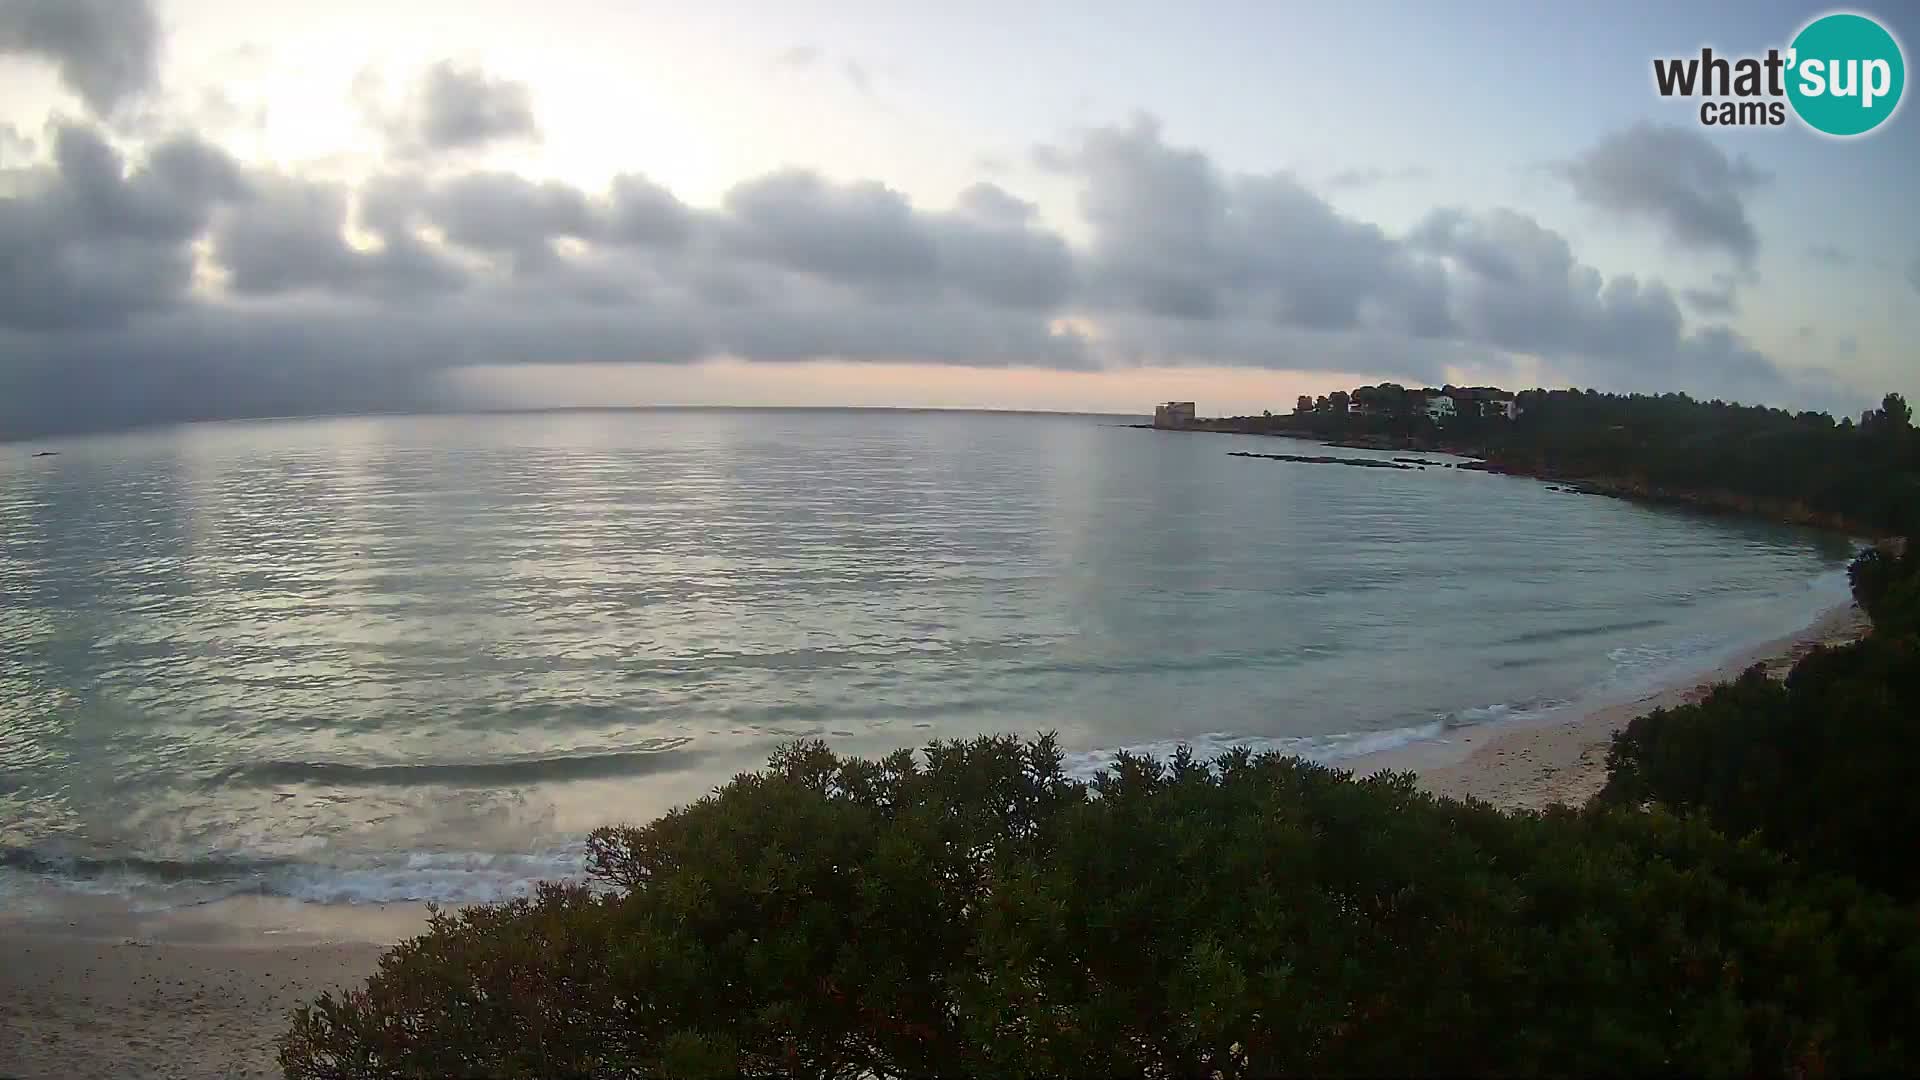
(977, 912)
(1886, 584)
(1823, 767)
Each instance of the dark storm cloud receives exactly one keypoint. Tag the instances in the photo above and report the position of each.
(1678, 180)
(106, 51)
(289, 235)
(861, 233)
(868, 237)
(317, 296)
(644, 213)
(86, 242)
(501, 213)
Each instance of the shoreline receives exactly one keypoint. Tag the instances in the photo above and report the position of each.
(1562, 758)
(185, 994)
(101, 991)
(1713, 502)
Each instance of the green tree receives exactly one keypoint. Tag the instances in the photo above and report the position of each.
(976, 911)
(1896, 411)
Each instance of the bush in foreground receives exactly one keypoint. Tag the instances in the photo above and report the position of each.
(1886, 585)
(977, 912)
(1824, 767)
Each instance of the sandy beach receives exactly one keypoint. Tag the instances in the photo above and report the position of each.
(98, 992)
(1562, 758)
(186, 995)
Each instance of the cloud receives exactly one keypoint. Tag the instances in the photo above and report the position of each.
(1676, 179)
(1913, 273)
(1517, 285)
(1720, 299)
(88, 242)
(453, 108)
(501, 213)
(300, 293)
(1829, 255)
(797, 57)
(1176, 238)
(1357, 179)
(862, 233)
(288, 236)
(106, 51)
(465, 107)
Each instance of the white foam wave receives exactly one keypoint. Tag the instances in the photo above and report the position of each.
(450, 878)
(1321, 749)
(439, 877)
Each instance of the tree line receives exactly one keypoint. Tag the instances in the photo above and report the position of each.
(1862, 474)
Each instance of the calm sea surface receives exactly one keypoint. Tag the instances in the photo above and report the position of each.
(394, 658)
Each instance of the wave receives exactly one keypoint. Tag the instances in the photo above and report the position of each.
(667, 755)
(213, 868)
(1321, 749)
(422, 876)
(461, 877)
(1571, 633)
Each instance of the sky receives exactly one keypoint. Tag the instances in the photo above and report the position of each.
(212, 208)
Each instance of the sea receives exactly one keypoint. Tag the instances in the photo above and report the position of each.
(395, 658)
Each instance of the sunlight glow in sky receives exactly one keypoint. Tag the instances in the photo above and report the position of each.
(1064, 206)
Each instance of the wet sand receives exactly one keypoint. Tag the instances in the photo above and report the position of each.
(1563, 759)
(187, 995)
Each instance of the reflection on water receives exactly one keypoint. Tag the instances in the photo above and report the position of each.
(433, 651)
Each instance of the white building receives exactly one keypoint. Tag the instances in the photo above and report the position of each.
(1439, 407)
(1174, 414)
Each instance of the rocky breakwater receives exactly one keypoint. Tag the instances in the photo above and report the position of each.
(1302, 459)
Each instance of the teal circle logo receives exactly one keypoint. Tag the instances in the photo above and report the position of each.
(1845, 74)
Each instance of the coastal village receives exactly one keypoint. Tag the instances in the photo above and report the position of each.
(1439, 406)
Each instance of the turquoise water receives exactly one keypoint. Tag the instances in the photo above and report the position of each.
(416, 658)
